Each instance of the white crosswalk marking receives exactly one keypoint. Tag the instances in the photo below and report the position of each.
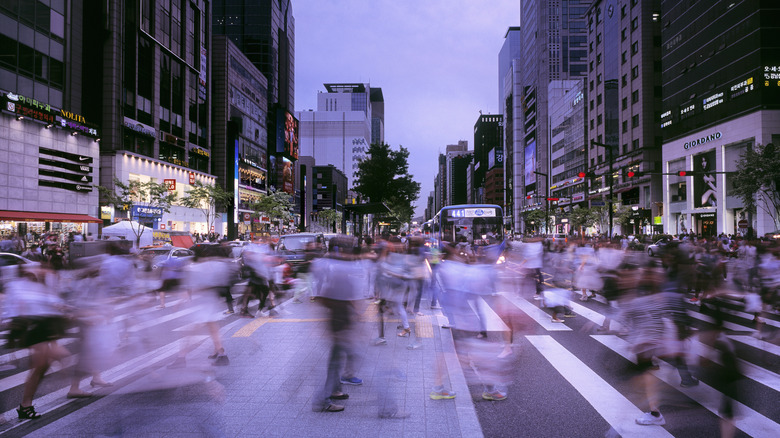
(757, 343)
(754, 372)
(165, 318)
(589, 314)
(493, 322)
(726, 324)
(748, 421)
(616, 409)
(540, 316)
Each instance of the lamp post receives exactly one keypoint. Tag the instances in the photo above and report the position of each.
(608, 149)
(546, 202)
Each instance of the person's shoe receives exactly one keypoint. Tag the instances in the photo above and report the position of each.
(482, 335)
(79, 394)
(222, 360)
(583, 298)
(569, 315)
(228, 312)
(405, 333)
(331, 407)
(494, 395)
(397, 415)
(506, 352)
(339, 396)
(100, 384)
(160, 307)
(648, 419)
(537, 297)
(442, 395)
(435, 306)
(689, 382)
(27, 413)
(557, 320)
(263, 313)
(380, 341)
(351, 381)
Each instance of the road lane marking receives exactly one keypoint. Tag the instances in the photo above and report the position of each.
(540, 316)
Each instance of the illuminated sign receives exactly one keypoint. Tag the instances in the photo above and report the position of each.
(577, 99)
(192, 178)
(26, 107)
(291, 136)
(741, 88)
(687, 111)
(140, 127)
(702, 140)
(66, 186)
(711, 101)
(146, 211)
(472, 212)
(72, 116)
(666, 114)
(771, 72)
(200, 151)
(170, 184)
(77, 127)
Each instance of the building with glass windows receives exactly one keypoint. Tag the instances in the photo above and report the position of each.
(721, 95)
(152, 61)
(49, 143)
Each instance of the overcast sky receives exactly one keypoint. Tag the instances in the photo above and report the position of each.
(435, 60)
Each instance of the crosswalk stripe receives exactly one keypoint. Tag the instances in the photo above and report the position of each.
(616, 409)
(751, 371)
(757, 343)
(749, 317)
(165, 318)
(540, 316)
(729, 325)
(748, 420)
(494, 323)
(589, 314)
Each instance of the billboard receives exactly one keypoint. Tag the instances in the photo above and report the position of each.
(287, 134)
(287, 176)
(704, 184)
(530, 163)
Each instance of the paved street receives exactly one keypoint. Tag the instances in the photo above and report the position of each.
(566, 379)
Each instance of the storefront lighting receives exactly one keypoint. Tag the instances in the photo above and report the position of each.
(97, 140)
(49, 126)
(20, 118)
(74, 133)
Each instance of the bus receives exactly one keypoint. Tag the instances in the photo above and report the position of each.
(477, 226)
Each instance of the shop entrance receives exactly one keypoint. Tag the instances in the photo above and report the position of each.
(707, 224)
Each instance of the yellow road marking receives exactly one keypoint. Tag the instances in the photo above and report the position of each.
(250, 328)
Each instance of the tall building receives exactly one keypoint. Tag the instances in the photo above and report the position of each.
(623, 103)
(721, 95)
(49, 148)
(154, 99)
(488, 155)
(264, 30)
(342, 128)
(567, 112)
(553, 46)
(329, 189)
(509, 92)
(240, 133)
(453, 176)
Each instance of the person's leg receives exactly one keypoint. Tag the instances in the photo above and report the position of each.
(418, 297)
(401, 310)
(39, 363)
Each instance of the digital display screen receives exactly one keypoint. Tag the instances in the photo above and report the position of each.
(472, 212)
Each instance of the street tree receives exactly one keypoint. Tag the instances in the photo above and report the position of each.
(278, 206)
(384, 177)
(209, 199)
(757, 181)
(537, 219)
(620, 215)
(581, 218)
(147, 194)
(330, 218)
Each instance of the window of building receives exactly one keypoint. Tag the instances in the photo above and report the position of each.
(625, 148)
(634, 24)
(623, 34)
(623, 11)
(635, 144)
(625, 103)
(598, 59)
(635, 121)
(590, 47)
(634, 72)
(592, 126)
(623, 58)
(635, 96)
(625, 126)
(591, 85)
(598, 99)
(591, 105)
(634, 48)
(591, 66)
(624, 81)
(599, 120)
(599, 78)
(598, 39)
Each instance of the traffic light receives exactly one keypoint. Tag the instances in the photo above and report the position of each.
(586, 175)
(528, 197)
(630, 174)
(686, 173)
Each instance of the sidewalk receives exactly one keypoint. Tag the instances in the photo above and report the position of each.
(276, 366)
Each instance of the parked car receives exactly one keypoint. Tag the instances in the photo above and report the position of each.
(658, 247)
(158, 255)
(292, 247)
(9, 266)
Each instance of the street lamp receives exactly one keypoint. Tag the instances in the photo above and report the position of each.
(608, 149)
(546, 201)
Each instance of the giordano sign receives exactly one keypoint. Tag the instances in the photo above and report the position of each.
(702, 140)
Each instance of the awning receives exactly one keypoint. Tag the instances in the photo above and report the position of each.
(28, 216)
(181, 241)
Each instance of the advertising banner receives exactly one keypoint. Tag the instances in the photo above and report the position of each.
(530, 163)
(704, 183)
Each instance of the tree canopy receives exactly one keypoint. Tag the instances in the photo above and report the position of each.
(277, 205)
(756, 181)
(149, 194)
(384, 177)
(208, 198)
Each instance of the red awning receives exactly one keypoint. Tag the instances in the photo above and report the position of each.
(181, 241)
(29, 216)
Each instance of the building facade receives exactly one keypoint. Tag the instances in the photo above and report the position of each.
(488, 153)
(49, 146)
(240, 132)
(721, 94)
(509, 92)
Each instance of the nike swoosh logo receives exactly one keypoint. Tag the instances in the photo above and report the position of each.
(84, 158)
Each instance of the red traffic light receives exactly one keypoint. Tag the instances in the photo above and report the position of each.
(630, 174)
(528, 197)
(582, 175)
(682, 173)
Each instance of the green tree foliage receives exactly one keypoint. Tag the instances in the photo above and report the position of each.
(536, 220)
(330, 219)
(209, 199)
(148, 194)
(756, 181)
(278, 206)
(580, 218)
(384, 177)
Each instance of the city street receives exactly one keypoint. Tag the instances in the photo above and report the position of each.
(566, 379)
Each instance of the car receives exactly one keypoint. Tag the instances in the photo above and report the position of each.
(658, 247)
(9, 264)
(292, 247)
(160, 254)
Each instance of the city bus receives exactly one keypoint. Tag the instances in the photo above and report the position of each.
(478, 227)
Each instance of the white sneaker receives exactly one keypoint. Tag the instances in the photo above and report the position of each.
(648, 419)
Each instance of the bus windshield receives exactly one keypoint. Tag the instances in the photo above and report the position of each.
(479, 226)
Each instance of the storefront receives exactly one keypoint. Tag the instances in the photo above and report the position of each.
(702, 200)
(36, 223)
